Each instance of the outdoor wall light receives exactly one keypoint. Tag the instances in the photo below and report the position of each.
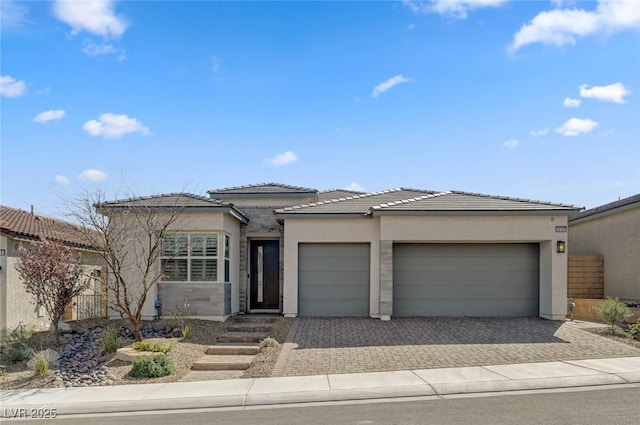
(561, 246)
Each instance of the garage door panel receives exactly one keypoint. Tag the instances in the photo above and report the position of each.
(333, 279)
(482, 308)
(333, 263)
(466, 279)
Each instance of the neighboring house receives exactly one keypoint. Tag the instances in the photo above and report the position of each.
(612, 231)
(404, 252)
(18, 227)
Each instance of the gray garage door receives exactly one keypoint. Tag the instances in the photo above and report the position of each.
(465, 279)
(333, 279)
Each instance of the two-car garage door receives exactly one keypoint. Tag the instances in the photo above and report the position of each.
(465, 279)
(429, 279)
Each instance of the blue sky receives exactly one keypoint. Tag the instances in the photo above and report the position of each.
(532, 99)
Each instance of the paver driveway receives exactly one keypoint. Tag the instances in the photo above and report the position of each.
(349, 345)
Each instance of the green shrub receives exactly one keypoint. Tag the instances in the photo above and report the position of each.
(152, 346)
(612, 311)
(41, 367)
(187, 330)
(14, 344)
(152, 366)
(269, 342)
(110, 340)
(634, 330)
(3, 370)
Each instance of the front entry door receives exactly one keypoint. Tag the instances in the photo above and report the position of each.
(264, 293)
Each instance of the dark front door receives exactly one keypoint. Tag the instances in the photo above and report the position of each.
(265, 275)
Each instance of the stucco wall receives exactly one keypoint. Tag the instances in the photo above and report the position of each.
(196, 222)
(491, 229)
(617, 238)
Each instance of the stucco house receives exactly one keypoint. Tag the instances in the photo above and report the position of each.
(21, 228)
(404, 252)
(612, 231)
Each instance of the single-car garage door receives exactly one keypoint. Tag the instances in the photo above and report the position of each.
(333, 279)
(465, 279)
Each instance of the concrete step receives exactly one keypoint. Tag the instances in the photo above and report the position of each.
(242, 337)
(255, 318)
(231, 350)
(250, 327)
(215, 362)
(211, 375)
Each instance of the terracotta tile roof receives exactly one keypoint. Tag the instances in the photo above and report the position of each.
(262, 188)
(15, 222)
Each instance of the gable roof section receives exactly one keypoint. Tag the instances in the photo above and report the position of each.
(354, 204)
(188, 201)
(18, 223)
(325, 195)
(416, 202)
(607, 209)
(261, 190)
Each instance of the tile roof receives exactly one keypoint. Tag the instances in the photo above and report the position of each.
(628, 202)
(175, 200)
(15, 222)
(262, 188)
(419, 200)
(167, 200)
(325, 195)
(354, 204)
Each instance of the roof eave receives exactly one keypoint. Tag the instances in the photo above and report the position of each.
(588, 216)
(554, 212)
(292, 215)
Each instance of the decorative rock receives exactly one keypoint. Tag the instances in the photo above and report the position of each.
(159, 327)
(64, 327)
(49, 355)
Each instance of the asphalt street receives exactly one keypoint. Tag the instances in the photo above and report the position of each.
(591, 407)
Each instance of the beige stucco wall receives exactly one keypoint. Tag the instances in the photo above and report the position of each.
(336, 230)
(197, 222)
(16, 306)
(617, 238)
(491, 229)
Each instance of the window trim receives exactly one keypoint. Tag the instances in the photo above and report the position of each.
(188, 257)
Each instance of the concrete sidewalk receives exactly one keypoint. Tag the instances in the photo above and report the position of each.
(239, 393)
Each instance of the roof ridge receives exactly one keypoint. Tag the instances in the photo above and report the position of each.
(406, 201)
(246, 186)
(510, 198)
(342, 190)
(337, 200)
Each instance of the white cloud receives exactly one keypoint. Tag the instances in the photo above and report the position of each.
(571, 103)
(562, 26)
(60, 179)
(389, 84)
(283, 159)
(511, 144)
(13, 14)
(540, 133)
(49, 115)
(93, 16)
(90, 48)
(92, 175)
(10, 87)
(355, 187)
(611, 93)
(114, 126)
(576, 126)
(455, 8)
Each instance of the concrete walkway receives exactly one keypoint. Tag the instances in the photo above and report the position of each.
(240, 393)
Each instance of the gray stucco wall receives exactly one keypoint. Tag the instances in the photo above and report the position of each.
(617, 238)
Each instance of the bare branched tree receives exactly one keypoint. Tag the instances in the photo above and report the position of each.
(130, 234)
(53, 276)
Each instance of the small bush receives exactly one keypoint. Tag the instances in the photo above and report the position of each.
(110, 340)
(154, 347)
(612, 311)
(269, 342)
(3, 370)
(14, 346)
(187, 330)
(634, 330)
(152, 366)
(41, 367)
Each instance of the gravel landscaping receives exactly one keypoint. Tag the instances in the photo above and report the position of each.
(82, 362)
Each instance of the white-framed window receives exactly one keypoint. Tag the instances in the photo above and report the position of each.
(190, 257)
